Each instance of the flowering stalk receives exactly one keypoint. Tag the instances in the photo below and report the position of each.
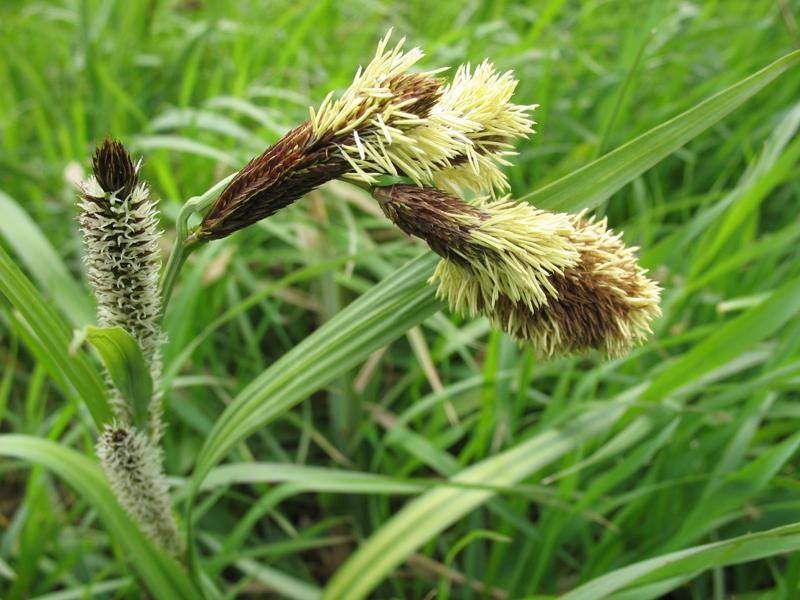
(119, 223)
(387, 122)
(563, 282)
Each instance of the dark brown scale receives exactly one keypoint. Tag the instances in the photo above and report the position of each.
(586, 311)
(431, 215)
(289, 169)
(114, 169)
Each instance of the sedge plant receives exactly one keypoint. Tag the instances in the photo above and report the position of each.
(432, 154)
(562, 283)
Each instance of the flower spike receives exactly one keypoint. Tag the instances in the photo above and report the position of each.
(563, 282)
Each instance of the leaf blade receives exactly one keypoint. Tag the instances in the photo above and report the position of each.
(127, 367)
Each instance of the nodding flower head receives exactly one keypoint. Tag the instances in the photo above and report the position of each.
(343, 136)
(561, 281)
(604, 301)
(387, 122)
(459, 141)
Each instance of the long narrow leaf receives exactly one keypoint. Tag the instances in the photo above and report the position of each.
(43, 263)
(162, 575)
(589, 186)
(54, 337)
(692, 560)
(431, 513)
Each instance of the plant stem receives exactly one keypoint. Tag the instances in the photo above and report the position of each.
(185, 243)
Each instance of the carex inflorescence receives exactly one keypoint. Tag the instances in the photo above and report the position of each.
(564, 282)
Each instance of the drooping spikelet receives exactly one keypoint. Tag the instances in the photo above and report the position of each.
(563, 282)
(132, 465)
(478, 105)
(119, 223)
(508, 249)
(459, 141)
(293, 166)
(348, 135)
(387, 122)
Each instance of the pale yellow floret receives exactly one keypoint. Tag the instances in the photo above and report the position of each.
(379, 128)
(512, 254)
(476, 109)
(460, 145)
(367, 94)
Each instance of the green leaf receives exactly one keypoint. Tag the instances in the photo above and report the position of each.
(53, 336)
(591, 185)
(376, 318)
(730, 341)
(692, 561)
(44, 263)
(733, 491)
(127, 367)
(404, 300)
(160, 573)
(431, 513)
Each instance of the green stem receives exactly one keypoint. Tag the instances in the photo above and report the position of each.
(185, 243)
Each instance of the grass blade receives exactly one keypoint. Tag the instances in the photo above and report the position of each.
(44, 263)
(161, 574)
(589, 186)
(432, 512)
(54, 336)
(692, 561)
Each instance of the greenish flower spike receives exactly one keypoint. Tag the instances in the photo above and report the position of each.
(132, 464)
(119, 223)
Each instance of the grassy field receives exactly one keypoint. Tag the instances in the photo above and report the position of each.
(456, 464)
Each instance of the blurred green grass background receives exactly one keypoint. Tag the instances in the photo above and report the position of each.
(197, 88)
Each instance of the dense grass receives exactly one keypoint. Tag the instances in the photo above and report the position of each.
(695, 434)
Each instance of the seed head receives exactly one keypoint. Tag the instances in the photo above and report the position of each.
(605, 301)
(477, 106)
(348, 135)
(119, 223)
(493, 249)
(387, 122)
(296, 164)
(563, 282)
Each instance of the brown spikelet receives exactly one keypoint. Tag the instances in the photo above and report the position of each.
(433, 216)
(287, 170)
(604, 302)
(303, 160)
(114, 169)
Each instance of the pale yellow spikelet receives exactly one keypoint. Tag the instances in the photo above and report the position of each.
(392, 122)
(365, 98)
(371, 120)
(566, 283)
(513, 251)
(476, 108)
